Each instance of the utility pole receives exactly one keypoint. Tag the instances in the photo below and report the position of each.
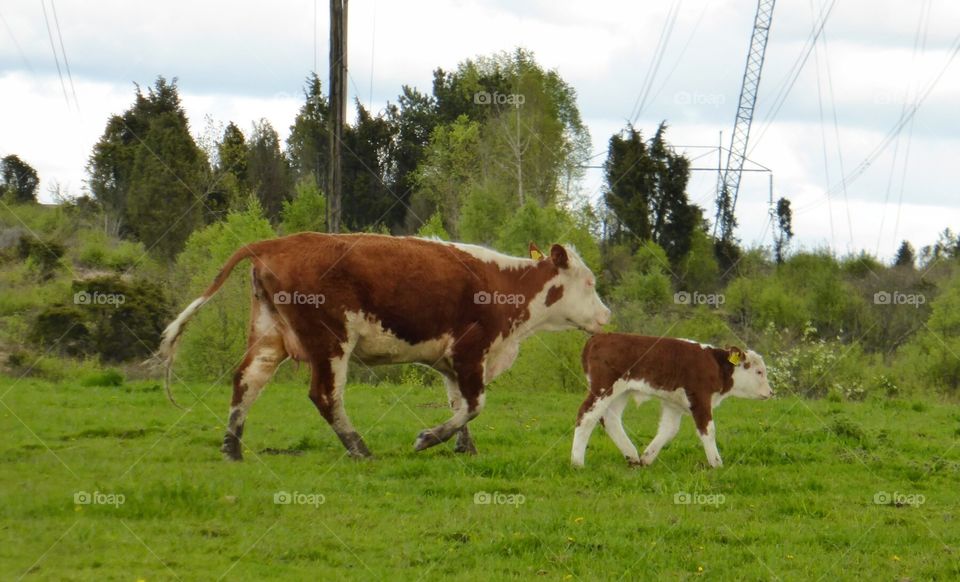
(338, 108)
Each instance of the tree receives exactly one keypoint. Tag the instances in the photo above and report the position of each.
(111, 165)
(368, 200)
(164, 204)
(268, 172)
(307, 212)
(905, 256)
(412, 122)
(307, 145)
(646, 190)
(784, 229)
(19, 179)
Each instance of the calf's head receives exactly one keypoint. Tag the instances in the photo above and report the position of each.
(749, 375)
(571, 300)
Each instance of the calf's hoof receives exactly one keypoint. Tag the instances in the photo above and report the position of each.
(633, 462)
(425, 440)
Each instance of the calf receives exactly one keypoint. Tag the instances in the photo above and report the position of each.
(686, 376)
(461, 309)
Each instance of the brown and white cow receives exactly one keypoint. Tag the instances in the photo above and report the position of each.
(687, 377)
(460, 309)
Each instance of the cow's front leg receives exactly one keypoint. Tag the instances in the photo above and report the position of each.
(469, 386)
(326, 391)
(456, 400)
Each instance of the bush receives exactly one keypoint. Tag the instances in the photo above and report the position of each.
(307, 212)
(548, 360)
(216, 337)
(45, 255)
(434, 228)
(108, 377)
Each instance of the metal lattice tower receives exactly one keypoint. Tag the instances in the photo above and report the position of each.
(730, 183)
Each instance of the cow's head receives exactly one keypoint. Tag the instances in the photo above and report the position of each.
(749, 375)
(571, 300)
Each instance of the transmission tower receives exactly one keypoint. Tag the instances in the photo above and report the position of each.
(730, 183)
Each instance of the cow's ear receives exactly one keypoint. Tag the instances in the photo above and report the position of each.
(535, 253)
(558, 255)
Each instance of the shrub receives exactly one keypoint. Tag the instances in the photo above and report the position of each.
(216, 337)
(307, 212)
(107, 377)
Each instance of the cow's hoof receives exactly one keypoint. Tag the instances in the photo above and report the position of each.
(425, 440)
(465, 446)
(231, 448)
(356, 448)
(231, 454)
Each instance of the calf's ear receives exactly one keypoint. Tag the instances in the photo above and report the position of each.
(558, 255)
(736, 356)
(535, 253)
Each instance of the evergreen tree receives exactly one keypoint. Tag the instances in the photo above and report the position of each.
(784, 229)
(113, 164)
(268, 172)
(905, 255)
(163, 204)
(19, 179)
(307, 145)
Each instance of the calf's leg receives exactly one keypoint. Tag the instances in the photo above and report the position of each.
(326, 391)
(670, 417)
(613, 423)
(591, 411)
(703, 416)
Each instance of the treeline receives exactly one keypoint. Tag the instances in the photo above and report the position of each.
(493, 155)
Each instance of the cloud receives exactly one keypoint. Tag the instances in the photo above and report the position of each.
(245, 60)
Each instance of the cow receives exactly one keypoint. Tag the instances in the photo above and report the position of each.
(461, 309)
(686, 376)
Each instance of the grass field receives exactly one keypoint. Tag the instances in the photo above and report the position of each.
(807, 491)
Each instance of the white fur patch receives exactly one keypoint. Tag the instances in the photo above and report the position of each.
(375, 345)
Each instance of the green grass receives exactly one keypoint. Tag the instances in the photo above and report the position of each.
(797, 491)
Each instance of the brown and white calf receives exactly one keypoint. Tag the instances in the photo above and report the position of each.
(460, 309)
(687, 377)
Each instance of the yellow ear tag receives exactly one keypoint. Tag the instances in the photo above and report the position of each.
(734, 358)
(536, 255)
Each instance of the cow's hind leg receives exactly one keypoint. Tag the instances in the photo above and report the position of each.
(469, 384)
(326, 391)
(456, 400)
(265, 352)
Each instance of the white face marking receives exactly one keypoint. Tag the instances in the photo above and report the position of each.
(579, 306)
(751, 382)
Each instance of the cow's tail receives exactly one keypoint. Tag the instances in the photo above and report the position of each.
(171, 335)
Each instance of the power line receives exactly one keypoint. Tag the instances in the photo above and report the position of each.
(794, 73)
(836, 130)
(13, 38)
(658, 53)
(53, 48)
(823, 132)
(63, 51)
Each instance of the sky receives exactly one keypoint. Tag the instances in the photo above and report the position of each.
(244, 60)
